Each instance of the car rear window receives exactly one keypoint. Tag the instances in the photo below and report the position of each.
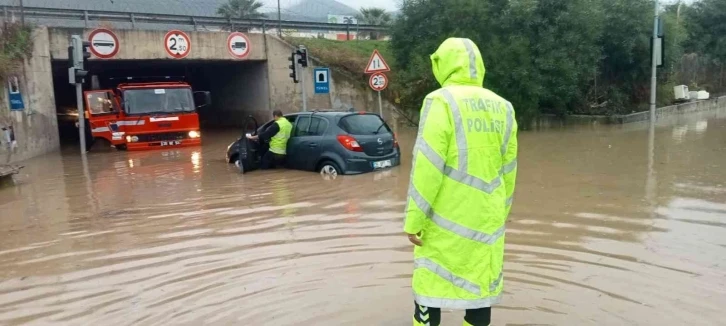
(364, 124)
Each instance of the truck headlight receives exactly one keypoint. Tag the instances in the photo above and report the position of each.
(132, 139)
(194, 134)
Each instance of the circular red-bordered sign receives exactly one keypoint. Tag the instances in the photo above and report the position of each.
(104, 43)
(238, 45)
(177, 44)
(378, 81)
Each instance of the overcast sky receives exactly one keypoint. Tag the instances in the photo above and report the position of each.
(390, 5)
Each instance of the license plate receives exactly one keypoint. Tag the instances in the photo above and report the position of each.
(171, 143)
(382, 164)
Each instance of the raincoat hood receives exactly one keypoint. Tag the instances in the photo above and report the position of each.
(458, 62)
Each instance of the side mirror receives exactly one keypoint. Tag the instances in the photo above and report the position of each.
(202, 99)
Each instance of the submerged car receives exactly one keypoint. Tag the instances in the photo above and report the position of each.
(334, 143)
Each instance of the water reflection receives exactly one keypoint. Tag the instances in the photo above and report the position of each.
(619, 224)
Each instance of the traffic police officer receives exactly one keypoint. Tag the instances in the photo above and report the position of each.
(462, 183)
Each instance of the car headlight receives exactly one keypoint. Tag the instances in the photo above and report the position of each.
(132, 139)
(194, 134)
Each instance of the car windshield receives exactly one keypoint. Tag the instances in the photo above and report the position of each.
(158, 100)
(364, 124)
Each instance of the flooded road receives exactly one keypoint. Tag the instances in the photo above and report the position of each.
(608, 228)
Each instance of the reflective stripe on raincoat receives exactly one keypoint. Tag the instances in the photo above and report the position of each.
(462, 183)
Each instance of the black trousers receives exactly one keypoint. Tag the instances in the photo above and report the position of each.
(432, 316)
(271, 160)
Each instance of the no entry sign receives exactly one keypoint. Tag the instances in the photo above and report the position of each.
(177, 44)
(238, 45)
(104, 43)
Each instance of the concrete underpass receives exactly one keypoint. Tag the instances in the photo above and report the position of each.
(238, 88)
(255, 84)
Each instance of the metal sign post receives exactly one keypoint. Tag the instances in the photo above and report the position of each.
(378, 83)
(304, 94)
(303, 64)
(76, 72)
(81, 117)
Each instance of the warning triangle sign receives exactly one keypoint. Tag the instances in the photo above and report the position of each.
(376, 64)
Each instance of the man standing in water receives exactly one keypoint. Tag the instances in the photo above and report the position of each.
(278, 133)
(462, 183)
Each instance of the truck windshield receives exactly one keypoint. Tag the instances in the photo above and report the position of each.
(158, 100)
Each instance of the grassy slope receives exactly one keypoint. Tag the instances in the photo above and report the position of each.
(348, 56)
(351, 58)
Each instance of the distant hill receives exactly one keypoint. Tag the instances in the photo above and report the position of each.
(174, 7)
(314, 11)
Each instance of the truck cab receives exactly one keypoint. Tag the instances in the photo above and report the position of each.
(142, 116)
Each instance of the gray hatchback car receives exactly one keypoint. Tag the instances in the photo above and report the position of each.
(334, 143)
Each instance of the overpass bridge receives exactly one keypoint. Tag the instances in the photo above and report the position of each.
(253, 84)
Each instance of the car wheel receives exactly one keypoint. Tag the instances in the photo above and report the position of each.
(329, 170)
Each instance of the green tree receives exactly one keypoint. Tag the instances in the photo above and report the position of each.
(240, 9)
(374, 16)
(707, 28)
(545, 56)
(538, 53)
(706, 24)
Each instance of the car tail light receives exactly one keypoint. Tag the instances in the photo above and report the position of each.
(349, 143)
(395, 140)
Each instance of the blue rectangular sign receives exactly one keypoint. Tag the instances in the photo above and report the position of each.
(16, 98)
(322, 80)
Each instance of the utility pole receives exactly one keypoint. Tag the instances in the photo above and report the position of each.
(279, 20)
(654, 65)
(22, 13)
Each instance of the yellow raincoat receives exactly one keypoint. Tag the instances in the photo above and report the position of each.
(462, 183)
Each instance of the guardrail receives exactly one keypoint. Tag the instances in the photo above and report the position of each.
(134, 18)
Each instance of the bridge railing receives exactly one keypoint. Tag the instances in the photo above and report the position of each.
(88, 17)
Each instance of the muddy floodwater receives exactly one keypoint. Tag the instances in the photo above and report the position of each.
(610, 226)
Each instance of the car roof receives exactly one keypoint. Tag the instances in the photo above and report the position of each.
(329, 113)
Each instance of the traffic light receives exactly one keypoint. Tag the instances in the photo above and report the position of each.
(78, 54)
(303, 52)
(86, 53)
(293, 68)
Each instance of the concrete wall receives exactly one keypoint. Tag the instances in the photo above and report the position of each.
(36, 128)
(550, 121)
(698, 106)
(346, 91)
(149, 44)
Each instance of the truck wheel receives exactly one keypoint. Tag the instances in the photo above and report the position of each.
(100, 144)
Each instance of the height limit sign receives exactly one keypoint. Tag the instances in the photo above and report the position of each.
(378, 81)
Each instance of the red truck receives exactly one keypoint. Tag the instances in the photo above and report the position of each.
(141, 116)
